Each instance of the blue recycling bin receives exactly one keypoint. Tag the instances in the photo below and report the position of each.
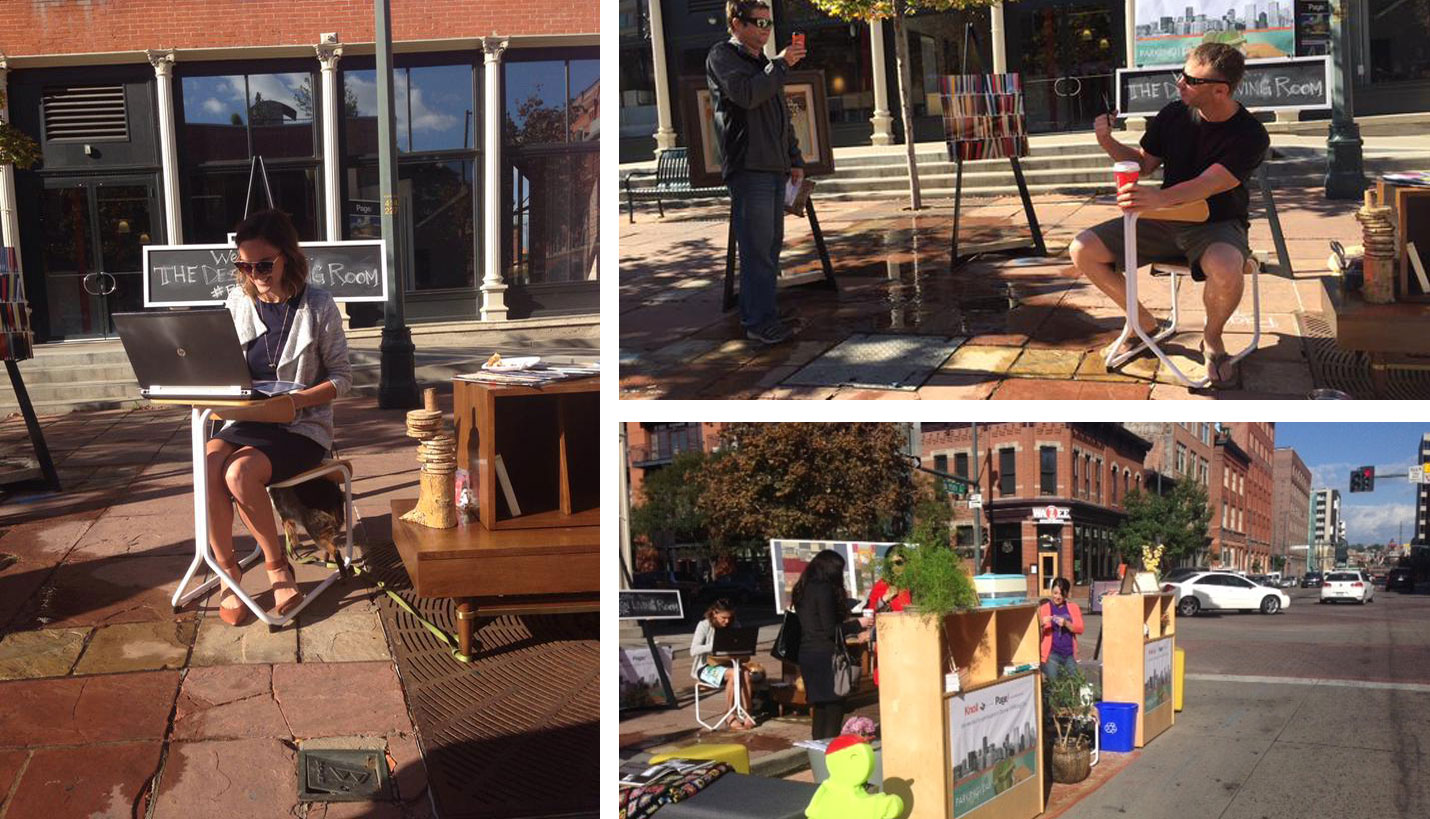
(1118, 723)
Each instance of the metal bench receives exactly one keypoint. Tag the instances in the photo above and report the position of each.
(672, 181)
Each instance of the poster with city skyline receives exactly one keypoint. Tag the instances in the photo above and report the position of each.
(1168, 30)
(1157, 674)
(994, 736)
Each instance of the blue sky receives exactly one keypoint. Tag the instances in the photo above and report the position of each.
(1331, 451)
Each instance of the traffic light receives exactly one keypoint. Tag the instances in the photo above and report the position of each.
(1363, 479)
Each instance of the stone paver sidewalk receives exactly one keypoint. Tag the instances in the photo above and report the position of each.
(112, 704)
(1022, 330)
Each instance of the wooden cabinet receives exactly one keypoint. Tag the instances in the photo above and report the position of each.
(932, 757)
(548, 441)
(1139, 634)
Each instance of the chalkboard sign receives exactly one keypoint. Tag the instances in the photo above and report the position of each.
(1300, 84)
(650, 604)
(202, 275)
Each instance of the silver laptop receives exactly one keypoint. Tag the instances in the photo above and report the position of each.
(189, 355)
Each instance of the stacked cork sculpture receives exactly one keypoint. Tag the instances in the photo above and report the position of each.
(436, 504)
(1378, 236)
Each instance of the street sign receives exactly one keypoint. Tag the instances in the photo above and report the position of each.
(1420, 474)
(954, 487)
(975, 501)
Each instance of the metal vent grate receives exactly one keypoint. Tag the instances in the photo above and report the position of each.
(85, 113)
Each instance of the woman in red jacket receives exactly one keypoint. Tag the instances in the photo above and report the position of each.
(886, 596)
(1062, 622)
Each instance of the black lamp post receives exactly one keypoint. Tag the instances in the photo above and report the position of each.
(1345, 171)
(397, 384)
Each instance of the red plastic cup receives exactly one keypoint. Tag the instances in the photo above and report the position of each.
(1124, 172)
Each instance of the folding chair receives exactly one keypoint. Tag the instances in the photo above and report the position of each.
(1190, 212)
(699, 684)
(331, 468)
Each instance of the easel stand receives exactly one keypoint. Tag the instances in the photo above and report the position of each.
(731, 246)
(1033, 242)
(32, 424)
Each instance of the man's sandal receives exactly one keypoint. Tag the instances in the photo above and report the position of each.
(1222, 372)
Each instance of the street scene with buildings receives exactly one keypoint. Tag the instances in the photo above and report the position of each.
(947, 266)
(1291, 582)
(364, 237)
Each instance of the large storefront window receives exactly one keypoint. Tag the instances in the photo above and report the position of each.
(842, 51)
(436, 133)
(638, 111)
(551, 156)
(230, 117)
(1067, 54)
(1399, 35)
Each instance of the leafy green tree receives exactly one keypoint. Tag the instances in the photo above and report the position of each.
(818, 481)
(669, 502)
(1178, 520)
(933, 517)
(15, 145)
(897, 10)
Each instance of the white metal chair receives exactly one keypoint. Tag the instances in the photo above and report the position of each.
(1191, 212)
(330, 467)
(699, 684)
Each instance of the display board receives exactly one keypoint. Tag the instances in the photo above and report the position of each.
(640, 680)
(1299, 84)
(993, 733)
(202, 275)
(1313, 28)
(650, 604)
(788, 559)
(983, 116)
(1167, 31)
(1157, 674)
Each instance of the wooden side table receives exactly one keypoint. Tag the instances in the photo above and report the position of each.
(551, 570)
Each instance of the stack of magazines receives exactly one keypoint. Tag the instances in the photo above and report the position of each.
(535, 376)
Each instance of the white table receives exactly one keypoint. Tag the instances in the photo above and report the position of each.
(199, 415)
(738, 709)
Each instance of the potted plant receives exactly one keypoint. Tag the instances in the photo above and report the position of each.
(1068, 701)
(936, 581)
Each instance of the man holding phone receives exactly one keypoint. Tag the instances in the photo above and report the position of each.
(760, 154)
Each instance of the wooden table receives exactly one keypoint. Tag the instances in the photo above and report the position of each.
(552, 570)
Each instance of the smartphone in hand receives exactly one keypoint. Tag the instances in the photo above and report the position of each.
(797, 38)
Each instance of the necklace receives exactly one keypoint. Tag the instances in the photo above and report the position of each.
(268, 348)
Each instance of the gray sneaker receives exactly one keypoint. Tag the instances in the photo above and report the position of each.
(773, 333)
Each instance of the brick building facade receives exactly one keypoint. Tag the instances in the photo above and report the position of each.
(1052, 493)
(1258, 441)
(652, 446)
(1227, 499)
(148, 115)
(1290, 508)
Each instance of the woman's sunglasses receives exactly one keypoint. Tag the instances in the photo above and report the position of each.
(757, 22)
(896, 562)
(262, 268)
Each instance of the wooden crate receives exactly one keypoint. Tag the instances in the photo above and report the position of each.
(914, 710)
(1130, 624)
(549, 443)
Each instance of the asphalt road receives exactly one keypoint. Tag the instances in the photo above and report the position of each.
(1323, 710)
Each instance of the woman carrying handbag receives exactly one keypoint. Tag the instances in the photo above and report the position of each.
(822, 603)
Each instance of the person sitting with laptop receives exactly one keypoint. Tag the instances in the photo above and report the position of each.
(714, 671)
(290, 331)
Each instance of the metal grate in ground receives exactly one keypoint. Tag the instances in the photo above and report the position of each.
(1350, 372)
(892, 362)
(515, 734)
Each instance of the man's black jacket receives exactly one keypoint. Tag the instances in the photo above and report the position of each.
(751, 119)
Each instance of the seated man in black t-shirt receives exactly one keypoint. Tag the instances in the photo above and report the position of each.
(1210, 145)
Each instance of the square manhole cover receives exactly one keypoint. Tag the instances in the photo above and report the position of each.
(891, 362)
(343, 776)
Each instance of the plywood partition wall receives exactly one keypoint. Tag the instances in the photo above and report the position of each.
(914, 655)
(1131, 623)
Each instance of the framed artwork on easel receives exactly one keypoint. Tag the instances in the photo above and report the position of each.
(809, 117)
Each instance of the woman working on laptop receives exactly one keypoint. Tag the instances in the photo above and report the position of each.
(716, 672)
(290, 331)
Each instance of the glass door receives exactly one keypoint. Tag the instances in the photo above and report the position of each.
(94, 233)
(1067, 55)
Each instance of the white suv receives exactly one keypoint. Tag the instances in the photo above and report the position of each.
(1347, 584)
(1223, 590)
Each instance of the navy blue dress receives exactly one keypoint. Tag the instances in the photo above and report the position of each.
(289, 452)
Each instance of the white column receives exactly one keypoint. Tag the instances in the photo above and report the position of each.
(995, 36)
(9, 217)
(1131, 33)
(493, 306)
(664, 130)
(882, 120)
(328, 56)
(163, 62)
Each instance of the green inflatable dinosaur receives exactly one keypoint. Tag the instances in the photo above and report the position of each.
(842, 796)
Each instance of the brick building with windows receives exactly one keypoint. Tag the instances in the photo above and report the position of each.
(652, 446)
(1228, 501)
(148, 114)
(1052, 494)
(1180, 451)
(1290, 508)
(1258, 440)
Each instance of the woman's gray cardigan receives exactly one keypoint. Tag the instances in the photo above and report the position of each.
(317, 350)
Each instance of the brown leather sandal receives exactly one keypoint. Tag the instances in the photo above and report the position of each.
(280, 584)
(233, 615)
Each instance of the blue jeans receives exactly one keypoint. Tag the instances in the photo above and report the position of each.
(1055, 663)
(757, 209)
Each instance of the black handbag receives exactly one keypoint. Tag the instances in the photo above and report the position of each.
(786, 647)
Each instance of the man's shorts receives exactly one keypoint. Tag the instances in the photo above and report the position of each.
(1168, 241)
